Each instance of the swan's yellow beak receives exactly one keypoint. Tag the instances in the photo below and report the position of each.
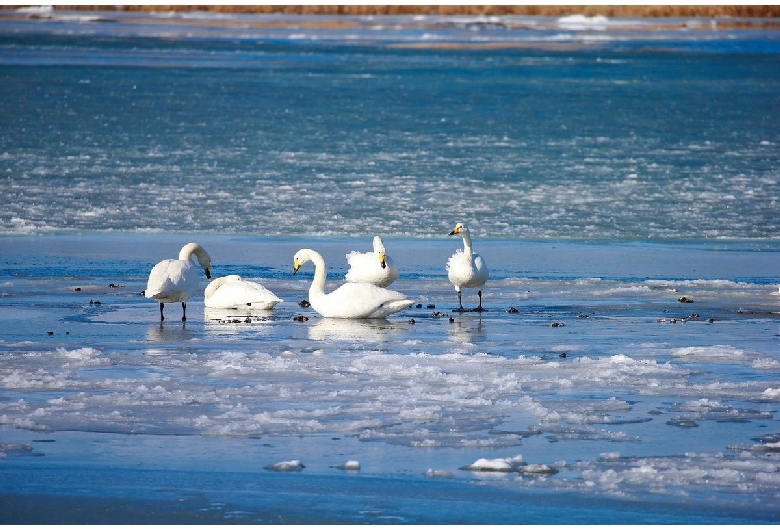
(456, 230)
(296, 265)
(382, 260)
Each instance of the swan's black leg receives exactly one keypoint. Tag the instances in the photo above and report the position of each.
(479, 307)
(161, 313)
(183, 312)
(460, 303)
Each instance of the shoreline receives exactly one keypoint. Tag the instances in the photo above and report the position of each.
(612, 11)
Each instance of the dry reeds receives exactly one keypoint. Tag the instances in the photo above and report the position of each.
(620, 11)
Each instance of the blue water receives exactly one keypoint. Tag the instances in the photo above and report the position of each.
(606, 168)
(621, 134)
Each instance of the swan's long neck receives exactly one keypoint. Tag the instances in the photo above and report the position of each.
(320, 274)
(467, 250)
(204, 260)
(213, 286)
(188, 250)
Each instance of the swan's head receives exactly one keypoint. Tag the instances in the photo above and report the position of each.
(459, 229)
(301, 257)
(206, 264)
(379, 250)
(204, 260)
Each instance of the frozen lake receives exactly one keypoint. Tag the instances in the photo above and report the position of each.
(600, 388)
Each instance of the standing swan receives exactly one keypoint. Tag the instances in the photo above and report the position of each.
(176, 280)
(466, 269)
(351, 300)
(372, 267)
(233, 292)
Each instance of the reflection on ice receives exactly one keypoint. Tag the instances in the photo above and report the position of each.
(364, 330)
(164, 332)
(466, 329)
(214, 315)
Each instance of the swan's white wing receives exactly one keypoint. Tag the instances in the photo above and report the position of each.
(366, 268)
(360, 300)
(481, 271)
(172, 280)
(239, 293)
(361, 266)
(360, 259)
(463, 272)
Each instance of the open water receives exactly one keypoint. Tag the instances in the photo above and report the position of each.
(607, 169)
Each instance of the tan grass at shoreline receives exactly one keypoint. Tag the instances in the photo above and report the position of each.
(617, 11)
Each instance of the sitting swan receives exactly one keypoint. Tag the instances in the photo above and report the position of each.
(176, 280)
(372, 267)
(351, 300)
(466, 269)
(233, 292)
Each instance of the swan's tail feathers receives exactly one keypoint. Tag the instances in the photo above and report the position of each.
(266, 305)
(150, 293)
(408, 303)
(164, 296)
(398, 305)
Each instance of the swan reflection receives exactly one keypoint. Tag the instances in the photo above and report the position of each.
(214, 315)
(467, 330)
(376, 330)
(163, 333)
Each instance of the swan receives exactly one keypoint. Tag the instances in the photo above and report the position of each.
(233, 292)
(372, 267)
(466, 269)
(176, 280)
(351, 300)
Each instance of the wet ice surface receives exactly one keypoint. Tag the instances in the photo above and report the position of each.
(586, 377)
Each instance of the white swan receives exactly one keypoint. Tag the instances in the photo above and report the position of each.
(466, 269)
(233, 292)
(351, 300)
(176, 280)
(372, 267)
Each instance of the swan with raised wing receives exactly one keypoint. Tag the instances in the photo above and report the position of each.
(351, 300)
(176, 280)
(465, 268)
(234, 292)
(372, 267)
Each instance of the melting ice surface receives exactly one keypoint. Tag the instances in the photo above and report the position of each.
(597, 386)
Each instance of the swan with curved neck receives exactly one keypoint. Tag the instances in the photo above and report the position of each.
(372, 267)
(176, 280)
(234, 292)
(465, 268)
(351, 300)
